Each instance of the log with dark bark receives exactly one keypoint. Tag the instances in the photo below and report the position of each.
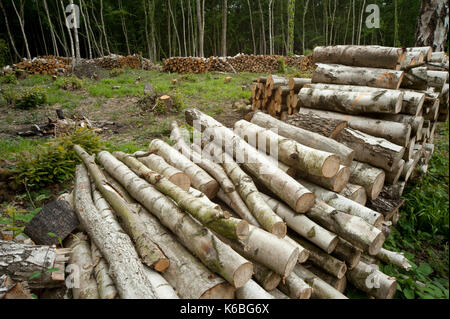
(348, 253)
(324, 126)
(385, 206)
(432, 25)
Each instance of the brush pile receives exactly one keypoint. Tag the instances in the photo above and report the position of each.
(239, 63)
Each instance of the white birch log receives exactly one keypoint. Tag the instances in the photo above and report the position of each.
(346, 205)
(371, 178)
(393, 191)
(305, 137)
(267, 278)
(283, 185)
(321, 290)
(348, 253)
(412, 163)
(415, 79)
(303, 254)
(372, 150)
(129, 277)
(296, 84)
(355, 192)
(212, 217)
(295, 287)
(163, 289)
(427, 51)
(199, 178)
(234, 201)
(437, 79)
(393, 176)
(85, 285)
(335, 183)
(411, 104)
(416, 122)
(158, 164)
(352, 228)
(409, 149)
(278, 294)
(251, 290)
(290, 152)
(360, 55)
(214, 169)
(303, 225)
(372, 281)
(397, 133)
(105, 284)
(338, 284)
(214, 254)
(437, 57)
(349, 102)
(394, 258)
(351, 75)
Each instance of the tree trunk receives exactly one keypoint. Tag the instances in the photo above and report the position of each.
(356, 193)
(85, 286)
(251, 26)
(350, 75)
(200, 14)
(72, 48)
(103, 27)
(175, 28)
(304, 136)
(303, 225)
(212, 217)
(306, 159)
(130, 278)
(363, 56)
(437, 79)
(305, 10)
(251, 290)
(324, 126)
(328, 263)
(158, 164)
(75, 32)
(394, 258)
(352, 102)
(199, 178)
(321, 290)
(11, 39)
(385, 206)
(224, 27)
(416, 122)
(372, 150)
(372, 281)
(295, 287)
(105, 284)
(218, 257)
(22, 26)
(348, 253)
(263, 31)
(432, 24)
(346, 205)
(371, 178)
(335, 183)
(283, 185)
(20, 261)
(351, 228)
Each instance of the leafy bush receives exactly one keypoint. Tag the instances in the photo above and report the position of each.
(9, 95)
(69, 83)
(116, 72)
(34, 97)
(55, 161)
(160, 107)
(9, 78)
(178, 101)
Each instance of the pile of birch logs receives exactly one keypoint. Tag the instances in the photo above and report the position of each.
(43, 65)
(113, 61)
(237, 63)
(222, 218)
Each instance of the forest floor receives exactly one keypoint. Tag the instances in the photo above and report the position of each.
(422, 232)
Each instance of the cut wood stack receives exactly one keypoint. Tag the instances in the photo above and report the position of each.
(238, 63)
(44, 65)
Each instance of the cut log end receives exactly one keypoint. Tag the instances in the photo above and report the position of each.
(181, 180)
(279, 229)
(342, 270)
(376, 245)
(332, 245)
(242, 274)
(341, 179)
(220, 291)
(272, 282)
(391, 290)
(162, 264)
(303, 256)
(210, 189)
(377, 186)
(292, 261)
(305, 202)
(242, 230)
(306, 293)
(331, 166)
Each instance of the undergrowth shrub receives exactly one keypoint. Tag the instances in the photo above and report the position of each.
(281, 65)
(69, 83)
(116, 72)
(55, 161)
(8, 78)
(9, 95)
(33, 97)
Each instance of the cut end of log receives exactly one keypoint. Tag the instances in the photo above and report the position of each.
(242, 274)
(210, 189)
(161, 265)
(279, 229)
(292, 261)
(377, 186)
(342, 271)
(341, 179)
(181, 180)
(376, 245)
(305, 202)
(220, 291)
(392, 289)
(306, 293)
(303, 256)
(242, 230)
(272, 282)
(331, 166)
(332, 245)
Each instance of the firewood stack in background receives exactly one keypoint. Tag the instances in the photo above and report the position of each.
(45, 65)
(238, 63)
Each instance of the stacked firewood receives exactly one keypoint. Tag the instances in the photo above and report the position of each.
(114, 61)
(44, 65)
(239, 63)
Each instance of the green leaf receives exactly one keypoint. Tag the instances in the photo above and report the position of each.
(52, 270)
(425, 269)
(409, 294)
(52, 234)
(34, 275)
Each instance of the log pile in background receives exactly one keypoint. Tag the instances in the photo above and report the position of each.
(238, 63)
